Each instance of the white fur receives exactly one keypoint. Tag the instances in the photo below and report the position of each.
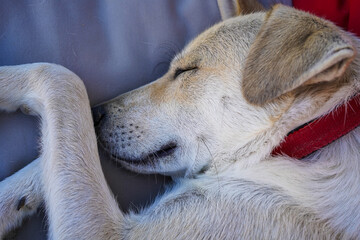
(244, 194)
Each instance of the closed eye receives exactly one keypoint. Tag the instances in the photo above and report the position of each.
(179, 71)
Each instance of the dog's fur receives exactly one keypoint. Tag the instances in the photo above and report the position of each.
(227, 100)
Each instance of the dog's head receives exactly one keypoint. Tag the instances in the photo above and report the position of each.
(232, 93)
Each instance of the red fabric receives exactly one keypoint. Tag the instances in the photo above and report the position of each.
(328, 128)
(344, 13)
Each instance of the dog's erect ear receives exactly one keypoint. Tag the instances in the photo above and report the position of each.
(293, 48)
(232, 8)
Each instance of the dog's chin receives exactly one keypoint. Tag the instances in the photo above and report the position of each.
(154, 169)
(153, 162)
(151, 158)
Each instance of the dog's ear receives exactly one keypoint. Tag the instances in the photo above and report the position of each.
(232, 8)
(293, 48)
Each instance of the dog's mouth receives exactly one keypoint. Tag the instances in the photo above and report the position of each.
(165, 151)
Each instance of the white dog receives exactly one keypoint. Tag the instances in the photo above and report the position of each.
(229, 98)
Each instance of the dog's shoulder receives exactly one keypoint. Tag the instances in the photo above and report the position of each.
(230, 204)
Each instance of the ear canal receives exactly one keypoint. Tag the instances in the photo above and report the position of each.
(293, 48)
(232, 8)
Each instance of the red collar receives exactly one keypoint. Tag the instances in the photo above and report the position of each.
(320, 132)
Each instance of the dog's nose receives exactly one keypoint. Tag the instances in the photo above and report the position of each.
(98, 114)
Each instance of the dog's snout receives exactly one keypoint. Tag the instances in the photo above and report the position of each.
(98, 114)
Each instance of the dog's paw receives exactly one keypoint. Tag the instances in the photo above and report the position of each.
(26, 109)
(13, 210)
(14, 207)
(20, 197)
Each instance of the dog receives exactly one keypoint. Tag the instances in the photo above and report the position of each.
(211, 122)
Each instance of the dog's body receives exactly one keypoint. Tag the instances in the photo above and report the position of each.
(212, 119)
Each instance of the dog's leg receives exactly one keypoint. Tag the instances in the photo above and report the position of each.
(78, 200)
(20, 196)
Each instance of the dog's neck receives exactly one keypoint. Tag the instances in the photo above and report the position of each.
(322, 131)
(339, 115)
(300, 110)
(340, 109)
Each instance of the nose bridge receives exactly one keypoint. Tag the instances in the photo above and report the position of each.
(157, 92)
(129, 98)
(138, 100)
(148, 94)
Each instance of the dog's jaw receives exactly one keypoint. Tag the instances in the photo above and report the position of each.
(161, 154)
(148, 140)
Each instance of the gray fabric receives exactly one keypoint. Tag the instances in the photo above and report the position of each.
(104, 42)
(114, 46)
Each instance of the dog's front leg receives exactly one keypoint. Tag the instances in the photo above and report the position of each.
(20, 196)
(78, 200)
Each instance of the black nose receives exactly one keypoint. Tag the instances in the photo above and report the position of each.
(98, 114)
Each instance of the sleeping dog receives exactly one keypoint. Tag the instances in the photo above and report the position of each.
(212, 122)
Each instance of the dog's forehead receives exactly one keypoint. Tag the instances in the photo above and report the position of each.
(226, 40)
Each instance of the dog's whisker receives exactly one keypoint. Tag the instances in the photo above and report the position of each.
(213, 162)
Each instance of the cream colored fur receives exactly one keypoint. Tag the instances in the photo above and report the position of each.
(228, 186)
